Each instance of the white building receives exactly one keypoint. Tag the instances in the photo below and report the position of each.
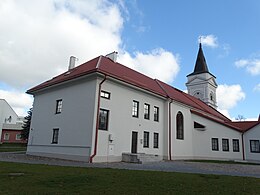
(10, 124)
(101, 109)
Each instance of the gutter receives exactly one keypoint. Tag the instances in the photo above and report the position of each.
(243, 148)
(170, 132)
(97, 120)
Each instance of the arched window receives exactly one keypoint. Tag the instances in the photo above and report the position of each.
(179, 126)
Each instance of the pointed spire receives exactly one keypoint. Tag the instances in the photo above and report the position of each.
(201, 65)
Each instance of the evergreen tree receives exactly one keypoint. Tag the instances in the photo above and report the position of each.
(26, 125)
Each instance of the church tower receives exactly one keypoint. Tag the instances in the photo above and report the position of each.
(201, 83)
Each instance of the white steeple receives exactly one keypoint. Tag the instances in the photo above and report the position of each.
(201, 83)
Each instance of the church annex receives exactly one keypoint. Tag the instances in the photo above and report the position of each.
(100, 110)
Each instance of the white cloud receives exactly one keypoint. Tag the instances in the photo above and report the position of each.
(208, 40)
(257, 87)
(252, 65)
(228, 96)
(158, 63)
(19, 101)
(39, 36)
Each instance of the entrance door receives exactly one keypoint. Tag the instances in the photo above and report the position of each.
(134, 142)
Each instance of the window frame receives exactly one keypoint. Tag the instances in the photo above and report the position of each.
(6, 136)
(225, 146)
(156, 113)
(257, 150)
(58, 108)
(135, 109)
(18, 136)
(105, 94)
(146, 139)
(155, 140)
(179, 126)
(214, 144)
(105, 127)
(147, 111)
(55, 135)
(235, 143)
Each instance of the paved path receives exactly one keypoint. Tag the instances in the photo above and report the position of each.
(168, 166)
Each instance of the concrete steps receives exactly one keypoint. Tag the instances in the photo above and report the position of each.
(140, 158)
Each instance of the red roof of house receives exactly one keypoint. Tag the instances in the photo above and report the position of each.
(245, 125)
(120, 72)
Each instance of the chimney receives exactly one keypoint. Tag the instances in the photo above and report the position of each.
(72, 62)
(112, 56)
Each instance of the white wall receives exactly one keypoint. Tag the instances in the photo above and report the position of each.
(181, 149)
(75, 122)
(202, 147)
(252, 134)
(121, 123)
(6, 111)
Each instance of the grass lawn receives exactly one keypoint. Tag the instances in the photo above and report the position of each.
(16, 178)
(10, 147)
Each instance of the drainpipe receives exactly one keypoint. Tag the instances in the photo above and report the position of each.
(97, 121)
(170, 131)
(243, 148)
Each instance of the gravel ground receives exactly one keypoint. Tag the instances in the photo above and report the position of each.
(169, 166)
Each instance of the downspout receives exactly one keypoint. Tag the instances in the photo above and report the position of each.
(170, 131)
(243, 148)
(97, 120)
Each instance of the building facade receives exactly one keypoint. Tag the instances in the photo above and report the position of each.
(10, 124)
(98, 110)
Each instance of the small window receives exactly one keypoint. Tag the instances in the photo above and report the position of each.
(58, 106)
(147, 111)
(156, 113)
(6, 136)
(198, 126)
(179, 126)
(225, 145)
(18, 137)
(55, 136)
(214, 143)
(135, 109)
(103, 119)
(235, 145)
(255, 146)
(105, 94)
(156, 140)
(146, 139)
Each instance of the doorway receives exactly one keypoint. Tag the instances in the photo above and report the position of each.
(134, 142)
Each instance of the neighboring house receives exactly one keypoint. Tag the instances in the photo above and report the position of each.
(101, 109)
(10, 124)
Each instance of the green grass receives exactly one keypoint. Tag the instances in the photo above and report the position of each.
(12, 147)
(224, 162)
(18, 178)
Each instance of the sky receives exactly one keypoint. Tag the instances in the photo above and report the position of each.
(157, 38)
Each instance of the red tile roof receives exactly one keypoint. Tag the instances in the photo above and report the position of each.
(245, 125)
(120, 72)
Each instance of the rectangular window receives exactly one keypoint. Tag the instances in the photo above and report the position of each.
(156, 140)
(255, 146)
(6, 136)
(156, 113)
(225, 145)
(146, 139)
(214, 142)
(105, 94)
(103, 119)
(58, 106)
(18, 137)
(235, 145)
(135, 109)
(55, 136)
(146, 111)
